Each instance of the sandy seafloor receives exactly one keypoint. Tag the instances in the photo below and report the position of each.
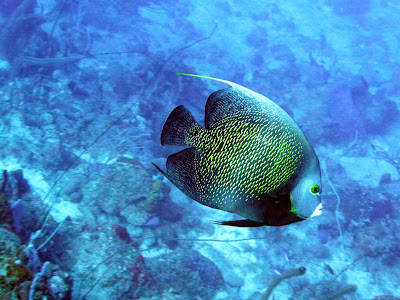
(84, 131)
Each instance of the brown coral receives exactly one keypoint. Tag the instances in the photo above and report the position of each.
(5, 213)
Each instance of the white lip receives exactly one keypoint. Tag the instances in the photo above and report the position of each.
(317, 211)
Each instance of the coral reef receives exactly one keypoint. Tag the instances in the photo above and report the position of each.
(14, 273)
(285, 275)
(84, 90)
(187, 273)
(348, 289)
(22, 274)
(5, 212)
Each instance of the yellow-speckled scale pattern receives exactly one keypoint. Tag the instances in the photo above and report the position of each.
(244, 156)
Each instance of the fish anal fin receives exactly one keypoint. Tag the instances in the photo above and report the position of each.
(240, 223)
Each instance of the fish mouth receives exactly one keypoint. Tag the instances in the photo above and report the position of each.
(317, 211)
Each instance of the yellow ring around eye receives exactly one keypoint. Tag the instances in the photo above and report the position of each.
(314, 189)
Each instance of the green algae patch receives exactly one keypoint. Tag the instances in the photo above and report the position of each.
(13, 271)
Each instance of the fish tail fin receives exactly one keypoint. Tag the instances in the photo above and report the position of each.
(176, 130)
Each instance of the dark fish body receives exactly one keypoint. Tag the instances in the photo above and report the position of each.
(247, 160)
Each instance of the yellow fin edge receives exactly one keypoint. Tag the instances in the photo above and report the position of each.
(207, 77)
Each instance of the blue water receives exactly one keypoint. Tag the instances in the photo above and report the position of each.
(85, 89)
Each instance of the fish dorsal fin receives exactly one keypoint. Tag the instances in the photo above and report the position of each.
(234, 100)
(232, 84)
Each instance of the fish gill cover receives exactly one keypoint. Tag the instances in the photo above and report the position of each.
(85, 89)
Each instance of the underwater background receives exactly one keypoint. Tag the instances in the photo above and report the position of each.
(85, 88)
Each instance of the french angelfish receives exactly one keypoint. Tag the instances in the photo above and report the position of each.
(251, 159)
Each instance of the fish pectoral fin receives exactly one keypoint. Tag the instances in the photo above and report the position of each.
(240, 223)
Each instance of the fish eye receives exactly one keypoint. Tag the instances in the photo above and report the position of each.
(314, 189)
